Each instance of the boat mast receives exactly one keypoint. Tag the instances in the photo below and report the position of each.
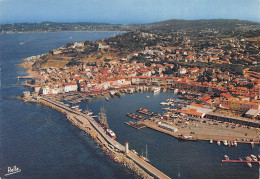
(103, 117)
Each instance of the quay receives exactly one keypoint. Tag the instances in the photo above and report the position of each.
(184, 134)
(233, 119)
(241, 161)
(83, 119)
(24, 77)
(135, 125)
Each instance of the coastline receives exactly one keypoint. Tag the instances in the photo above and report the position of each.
(28, 32)
(32, 74)
(28, 68)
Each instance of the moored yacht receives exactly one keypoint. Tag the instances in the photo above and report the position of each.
(111, 133)
(225, 142)
(254, 158)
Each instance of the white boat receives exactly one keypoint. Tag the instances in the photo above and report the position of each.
(111, 133)
(112, 93)
(254, 158)
(225, 142)
(218, 142)
(249, 164)
(157, 91)
(107, 98)
(252, 144)
(176, 91)
(248, 158)
(164, 103)
(88, 112)
(136, 153)
(226, 157)
(211, 141)
(235, 143)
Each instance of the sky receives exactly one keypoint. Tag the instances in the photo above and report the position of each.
(126, 11)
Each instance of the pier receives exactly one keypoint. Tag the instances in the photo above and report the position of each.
(83, 119)
(135, 125)
(24, 77)
(241, 161)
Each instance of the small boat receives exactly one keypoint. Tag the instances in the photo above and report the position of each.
(112, 93)
(176, 91)
(249, 164)
(225, 142)
(254, 158)
(218, 142)
(88, 112)
(157, 91)
(211, 141)
(134, 151)
(226, 157)
(111, 133)
(229, 143)
(240, 159)
(235, 143)
(252, 144)
(148, 96)
(248, 158)
(107, 98)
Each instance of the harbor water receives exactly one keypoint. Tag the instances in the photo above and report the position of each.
(43, 144)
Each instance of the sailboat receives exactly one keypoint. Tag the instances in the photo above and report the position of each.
(103, 118)
(146, 154)
(88, 112)
(103, 122)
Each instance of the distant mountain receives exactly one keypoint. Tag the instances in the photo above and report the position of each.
(214, 23)
(193, 26)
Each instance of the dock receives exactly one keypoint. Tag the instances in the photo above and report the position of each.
(135, 125)
(83, 119)
(24, 77)
(241, 161)
(136, 116)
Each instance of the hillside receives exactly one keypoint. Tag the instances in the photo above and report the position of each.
(216, 26)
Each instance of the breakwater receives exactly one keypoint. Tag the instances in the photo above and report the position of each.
(111, 147)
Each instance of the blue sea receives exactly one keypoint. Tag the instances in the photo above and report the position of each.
(43, 144)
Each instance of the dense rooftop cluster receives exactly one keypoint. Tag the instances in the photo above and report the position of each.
(213, 66)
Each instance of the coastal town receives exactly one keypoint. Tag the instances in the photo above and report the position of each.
(217, 85)
(234, 91)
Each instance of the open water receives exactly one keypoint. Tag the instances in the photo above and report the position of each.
(43, 144)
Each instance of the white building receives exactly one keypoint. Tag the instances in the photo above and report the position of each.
(70, 87)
